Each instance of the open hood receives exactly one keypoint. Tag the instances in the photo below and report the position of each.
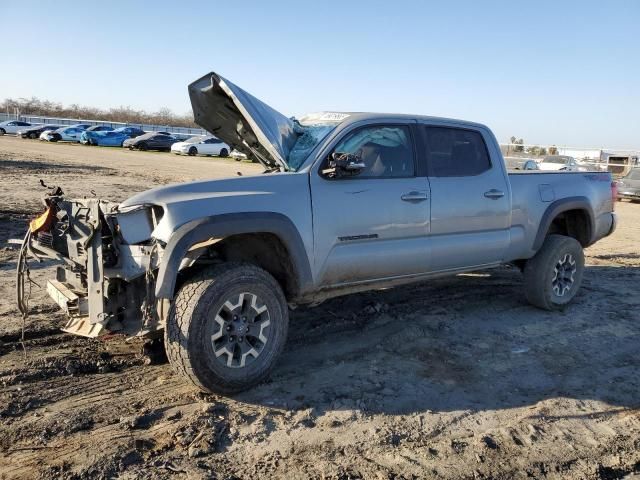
(242, 121)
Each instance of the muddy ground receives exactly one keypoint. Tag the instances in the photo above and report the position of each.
(454, 378)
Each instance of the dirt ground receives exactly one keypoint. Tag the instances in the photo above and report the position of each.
(454, 378)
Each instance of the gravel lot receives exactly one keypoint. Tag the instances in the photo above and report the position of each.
(454, 378)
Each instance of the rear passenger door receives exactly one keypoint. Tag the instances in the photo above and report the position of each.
(470, 198)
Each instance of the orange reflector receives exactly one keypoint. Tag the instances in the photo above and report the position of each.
(41, 221)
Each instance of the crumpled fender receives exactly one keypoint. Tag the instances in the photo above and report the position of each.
(220, 226)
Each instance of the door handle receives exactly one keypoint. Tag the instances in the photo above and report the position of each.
(494, 194)
(414, 196)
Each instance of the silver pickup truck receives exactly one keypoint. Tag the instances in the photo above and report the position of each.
(348, 202)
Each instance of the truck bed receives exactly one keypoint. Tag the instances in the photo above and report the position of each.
(533, 192)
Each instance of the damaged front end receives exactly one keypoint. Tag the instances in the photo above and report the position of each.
(106, 278)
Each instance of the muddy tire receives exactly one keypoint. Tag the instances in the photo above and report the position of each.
(553, 276)
(226, 328)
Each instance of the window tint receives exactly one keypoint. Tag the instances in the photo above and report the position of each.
(454, 152)
(386, 151)
(212, 140)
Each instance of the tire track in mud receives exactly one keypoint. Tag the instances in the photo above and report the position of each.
(112, 396)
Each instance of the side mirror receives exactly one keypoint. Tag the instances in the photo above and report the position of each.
(345, 164)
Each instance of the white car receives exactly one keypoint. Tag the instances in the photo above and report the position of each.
(12, 126)
(201, 146)
(238, 155)
(64, 134)
(555, 163)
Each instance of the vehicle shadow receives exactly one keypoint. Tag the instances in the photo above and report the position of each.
(466, 342)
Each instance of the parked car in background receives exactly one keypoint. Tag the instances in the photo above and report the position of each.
(554, 163)
(36, 131)
(238, 156)
(64, 134)
(201, 146)
(519, 163)
(150, 141)
(629, 185)
(99, 128)
(530, 165)
(96, 128)
(113, 138)
(12, 126)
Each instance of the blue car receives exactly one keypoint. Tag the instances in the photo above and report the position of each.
(96, 128)
(114, 138)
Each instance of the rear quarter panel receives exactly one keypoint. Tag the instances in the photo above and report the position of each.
(533, 193)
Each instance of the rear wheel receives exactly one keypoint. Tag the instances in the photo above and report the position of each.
(224, 152)
(193, 151)
(227, 327)
(553, 276)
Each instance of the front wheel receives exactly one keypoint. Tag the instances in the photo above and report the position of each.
(224, 152)
(33, 136)
(227, 327)
(553, 276)
(2, 131)
(142, 147)
(192, 151)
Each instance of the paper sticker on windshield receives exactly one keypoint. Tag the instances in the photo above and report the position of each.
(334, 116)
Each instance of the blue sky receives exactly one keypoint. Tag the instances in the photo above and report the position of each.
(564, 72)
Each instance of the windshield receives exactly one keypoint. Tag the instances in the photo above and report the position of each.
(311, 136)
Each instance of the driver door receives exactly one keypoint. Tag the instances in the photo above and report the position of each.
(374, 224)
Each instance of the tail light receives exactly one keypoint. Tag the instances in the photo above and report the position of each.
(42, 221)
(614, 194)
